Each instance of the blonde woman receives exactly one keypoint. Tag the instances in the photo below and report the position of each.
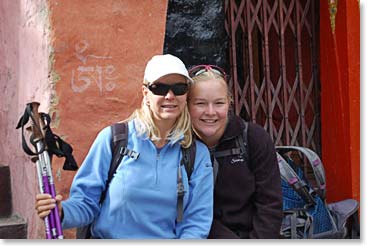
(141, 201)
(247, 191)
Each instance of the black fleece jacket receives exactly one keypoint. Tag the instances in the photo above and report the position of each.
(247, 196)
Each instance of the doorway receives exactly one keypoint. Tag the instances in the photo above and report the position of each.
(274, 59)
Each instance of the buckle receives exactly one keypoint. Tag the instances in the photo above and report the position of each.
(180, 189)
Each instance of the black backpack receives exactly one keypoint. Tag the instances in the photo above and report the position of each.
(305, 211)
(119, 150)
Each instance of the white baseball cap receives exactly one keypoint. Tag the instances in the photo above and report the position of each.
(161, 65)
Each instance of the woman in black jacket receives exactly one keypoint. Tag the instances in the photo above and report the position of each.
(247, 195)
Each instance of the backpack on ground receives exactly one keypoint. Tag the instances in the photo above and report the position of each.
(306, 212)
(119, 150)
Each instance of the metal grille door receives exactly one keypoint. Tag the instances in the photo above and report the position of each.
(274, 67)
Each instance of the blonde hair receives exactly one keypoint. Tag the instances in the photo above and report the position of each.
(209, 75)
(145, 125)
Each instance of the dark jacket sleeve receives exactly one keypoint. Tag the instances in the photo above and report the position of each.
(268, 196)
(218, 230)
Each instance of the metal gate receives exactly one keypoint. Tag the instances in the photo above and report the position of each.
(274, 51)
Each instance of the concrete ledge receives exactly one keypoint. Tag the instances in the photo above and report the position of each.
(13, 227)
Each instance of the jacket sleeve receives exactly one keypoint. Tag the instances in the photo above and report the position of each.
(88, 184)
(221, 231)
(198, 211)
(267, 199)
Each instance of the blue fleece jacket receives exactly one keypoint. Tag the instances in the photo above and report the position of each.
(142, 197)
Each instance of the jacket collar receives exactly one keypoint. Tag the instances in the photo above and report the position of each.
(233, 129)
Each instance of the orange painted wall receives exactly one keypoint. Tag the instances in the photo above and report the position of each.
(340, 101)
(100, 52)
(353, 34)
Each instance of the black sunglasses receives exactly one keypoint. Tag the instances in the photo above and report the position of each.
(161, 89)
(199, 69)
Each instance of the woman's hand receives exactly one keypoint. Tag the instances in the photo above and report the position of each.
(44, 204)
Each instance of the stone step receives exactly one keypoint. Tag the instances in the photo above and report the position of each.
(5, 192)
(13, 227)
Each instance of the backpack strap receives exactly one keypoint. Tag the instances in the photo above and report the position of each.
(240, 149)
(188, 156)
(215, 165)
(228, 152)
(316, 165)
(120, 133)
(297, 224)
(243, 142)
(289, 175)
(188, 161)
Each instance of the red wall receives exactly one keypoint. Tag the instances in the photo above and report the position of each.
(100, 52)
(340, 102)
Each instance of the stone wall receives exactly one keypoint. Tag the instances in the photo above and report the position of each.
(195, 32)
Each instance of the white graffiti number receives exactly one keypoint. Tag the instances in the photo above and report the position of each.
(84, 76)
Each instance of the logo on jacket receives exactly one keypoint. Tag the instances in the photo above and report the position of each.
(237, 160)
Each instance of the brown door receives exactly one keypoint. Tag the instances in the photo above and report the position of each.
(274, 67)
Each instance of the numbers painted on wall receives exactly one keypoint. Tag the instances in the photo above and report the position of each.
(84, 76)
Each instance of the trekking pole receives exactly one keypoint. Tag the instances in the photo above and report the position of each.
(42, 191)
(44, 171)
(46, 144)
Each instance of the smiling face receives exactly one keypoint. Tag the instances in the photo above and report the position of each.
(166, 109)
(208, 107)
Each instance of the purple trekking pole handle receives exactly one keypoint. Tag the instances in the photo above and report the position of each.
(56, 215)
(42, 190)
(51, 216)
(47, 228)
(49, 188)
(59, 234)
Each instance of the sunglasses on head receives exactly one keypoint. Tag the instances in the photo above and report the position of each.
(161, 89)
(199, 69)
